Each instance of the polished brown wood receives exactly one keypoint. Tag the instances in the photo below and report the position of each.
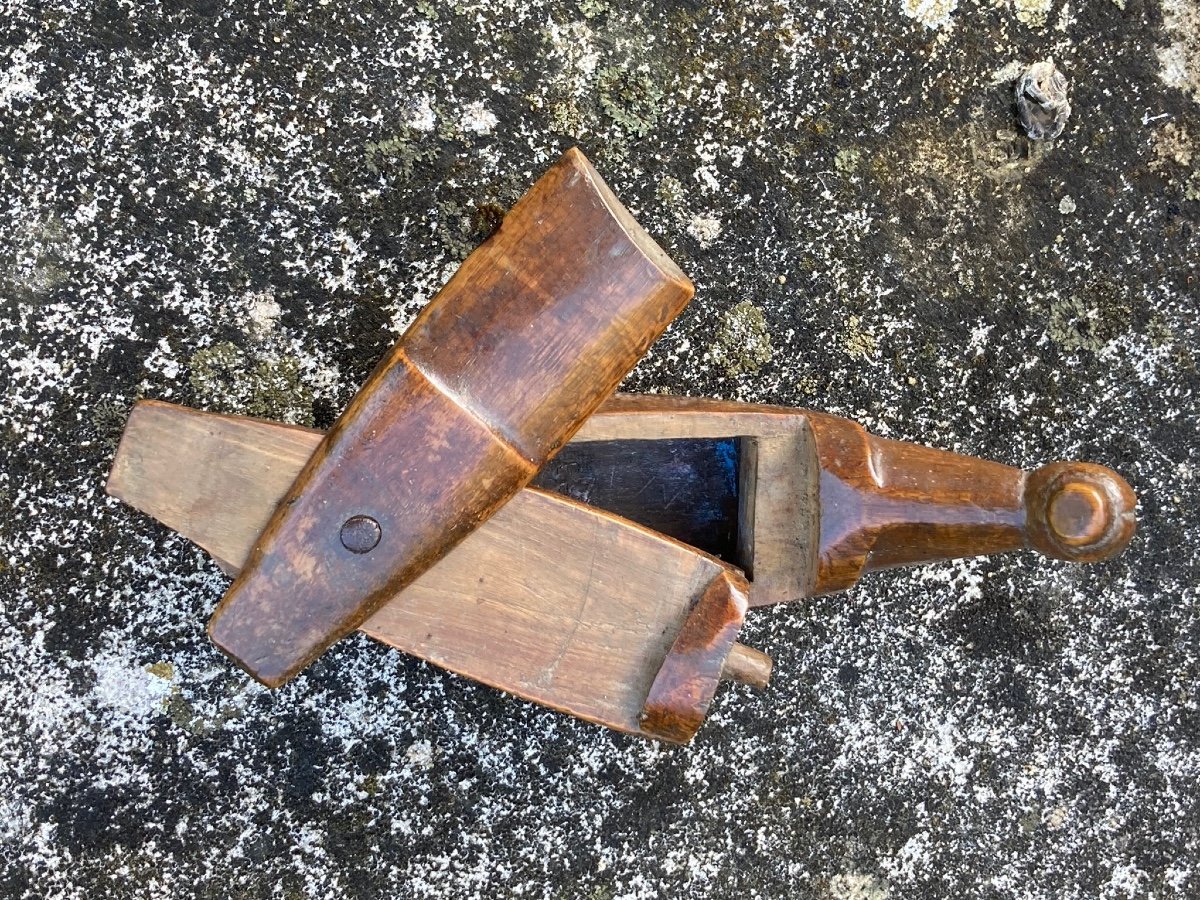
(550, 600)
(535, 329)
(216, 479)
(746, 665)
(682, 690)
(823, 501)
(888, 503)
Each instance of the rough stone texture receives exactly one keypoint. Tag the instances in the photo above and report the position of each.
(241, 205)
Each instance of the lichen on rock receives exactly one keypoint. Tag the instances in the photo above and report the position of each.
(932, 14)
(224, 378)
(743, 341)
(631, 96)
(1091, 320)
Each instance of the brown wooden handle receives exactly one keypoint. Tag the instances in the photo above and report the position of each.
(887, 503)
(699, 657)
(748, 666)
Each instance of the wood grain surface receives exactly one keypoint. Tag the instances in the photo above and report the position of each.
(216, 479)
(551, 600)
(498, 371)
(682, 690)
(822, 501)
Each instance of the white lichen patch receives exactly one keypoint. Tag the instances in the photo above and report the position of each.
(1179, 61)
(263, 312)
(1173, 145)
(19, 74)
(704, 228)
(421, 115)
(1032, 12)
(857, 886)
(478, 119)
(932, 14)
(1009, 72)
(130, 693)
(420, 754)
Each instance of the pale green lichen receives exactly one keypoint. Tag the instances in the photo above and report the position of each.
(1174, 154)
(462, 228)
(1172, 144)
(186, 716)
(743, 342)
(108, 419)
(568, 94)
(619, 101)
(1032, 12)
(847, 160)
(933, 14)
(857, 886)
(807, 385)
(630, 97)
(672, 194)
(38, 257)
(592, 9)
(399, 153)
(163, 669)
(858, 342)
(1089, 321)
(225, 379)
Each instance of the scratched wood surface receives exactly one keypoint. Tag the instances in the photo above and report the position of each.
(881, 503)
(530, 335)
(550, 600)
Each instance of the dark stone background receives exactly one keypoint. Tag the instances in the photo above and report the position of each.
(239, 206)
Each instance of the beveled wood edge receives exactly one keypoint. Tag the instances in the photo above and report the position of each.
(780, 515)
(152, 420)
(687, 680)
(638, 235)
(651, 416)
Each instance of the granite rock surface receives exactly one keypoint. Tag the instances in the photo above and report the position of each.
(239, 206)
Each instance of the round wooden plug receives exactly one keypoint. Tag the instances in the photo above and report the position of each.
(1080, 512)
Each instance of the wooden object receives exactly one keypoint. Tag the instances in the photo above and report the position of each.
(535, 329)
(683, 688)
(556, 602)
(820, 501)
(577, 610)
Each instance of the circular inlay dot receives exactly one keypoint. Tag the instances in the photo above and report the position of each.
(361, 534)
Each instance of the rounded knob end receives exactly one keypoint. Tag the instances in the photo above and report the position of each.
(1079, 511)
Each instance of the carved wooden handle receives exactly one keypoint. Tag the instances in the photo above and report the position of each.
(888, 503)
(698, 660)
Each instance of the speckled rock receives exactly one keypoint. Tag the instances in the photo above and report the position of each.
(240, 205)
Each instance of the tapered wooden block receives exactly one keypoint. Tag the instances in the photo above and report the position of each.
(585, 612)
(535, 329)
